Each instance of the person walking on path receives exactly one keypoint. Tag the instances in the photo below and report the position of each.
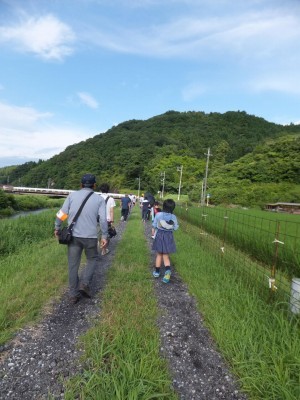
(85, 235)
(165, 222)
(125, 207)
(145, 209)
(156, 210)
(141, 199)
(110, 204)
(151, 200)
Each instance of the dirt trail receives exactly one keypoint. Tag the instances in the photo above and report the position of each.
(38, 359)
(35, 363)
(199, 371)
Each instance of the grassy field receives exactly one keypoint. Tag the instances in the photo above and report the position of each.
(268, 237)
(32, 270)
(260, 342)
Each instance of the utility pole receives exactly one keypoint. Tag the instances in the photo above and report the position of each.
(201, 198)
(179, 169)
(205, 179)
(139, 188)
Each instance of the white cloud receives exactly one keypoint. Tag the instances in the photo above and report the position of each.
(45, 36)
(19, 116)
(244, 35)
(88, 100)
(25, 132)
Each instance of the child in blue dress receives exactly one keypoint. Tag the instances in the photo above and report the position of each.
(165, 223)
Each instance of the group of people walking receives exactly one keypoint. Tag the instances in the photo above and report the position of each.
(98, 212)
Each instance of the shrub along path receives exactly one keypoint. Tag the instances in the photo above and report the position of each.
(35, 363)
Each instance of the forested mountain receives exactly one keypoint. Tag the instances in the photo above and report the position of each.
(244, 148)
(270, 173)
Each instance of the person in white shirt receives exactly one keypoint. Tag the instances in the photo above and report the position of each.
(131, 201)
(110, 204)
(141, 199)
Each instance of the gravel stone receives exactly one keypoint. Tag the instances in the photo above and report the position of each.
(34, 365)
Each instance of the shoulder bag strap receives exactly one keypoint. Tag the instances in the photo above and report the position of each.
(80, 209)
(106, 200)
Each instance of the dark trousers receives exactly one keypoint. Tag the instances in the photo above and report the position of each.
(145, 214)
(124, 213)
(75, 249)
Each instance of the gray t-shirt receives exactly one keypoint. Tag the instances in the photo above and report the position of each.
(93, 211)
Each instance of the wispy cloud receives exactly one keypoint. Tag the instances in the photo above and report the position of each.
(24, 130)
(88, 100)
(45, 36)
(243, 35)
(20, 116)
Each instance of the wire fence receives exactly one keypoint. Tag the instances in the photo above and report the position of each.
(262, 248)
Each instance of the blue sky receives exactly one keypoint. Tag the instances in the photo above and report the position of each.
(71, 69)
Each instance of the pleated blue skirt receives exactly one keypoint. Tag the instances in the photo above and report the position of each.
(164, 242)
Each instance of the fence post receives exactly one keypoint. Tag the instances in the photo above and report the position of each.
(186, 214)
(224, 233)
(203, 216)
(272, 285)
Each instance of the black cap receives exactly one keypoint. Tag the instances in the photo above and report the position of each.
(88, 180)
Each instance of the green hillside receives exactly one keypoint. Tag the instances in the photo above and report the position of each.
(243, 147)
(270, 173)
(273, 161)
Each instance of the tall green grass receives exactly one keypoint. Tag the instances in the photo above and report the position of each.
(12, 204)
(32, 274)
(260, 342)
(122, 358)
(254, 232)
(26, 230)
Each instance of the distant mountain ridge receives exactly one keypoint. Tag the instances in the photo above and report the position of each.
(146, 149)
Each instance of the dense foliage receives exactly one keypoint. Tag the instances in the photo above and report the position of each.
(10, 204)
(271, 173)
(247, 151)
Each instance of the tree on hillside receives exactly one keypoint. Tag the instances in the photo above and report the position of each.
(246, 150)
(220, 154)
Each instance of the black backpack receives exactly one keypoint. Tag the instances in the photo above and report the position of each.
(150, 198)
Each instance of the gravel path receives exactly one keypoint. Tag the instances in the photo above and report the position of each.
(199, 371)
(35, 363)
